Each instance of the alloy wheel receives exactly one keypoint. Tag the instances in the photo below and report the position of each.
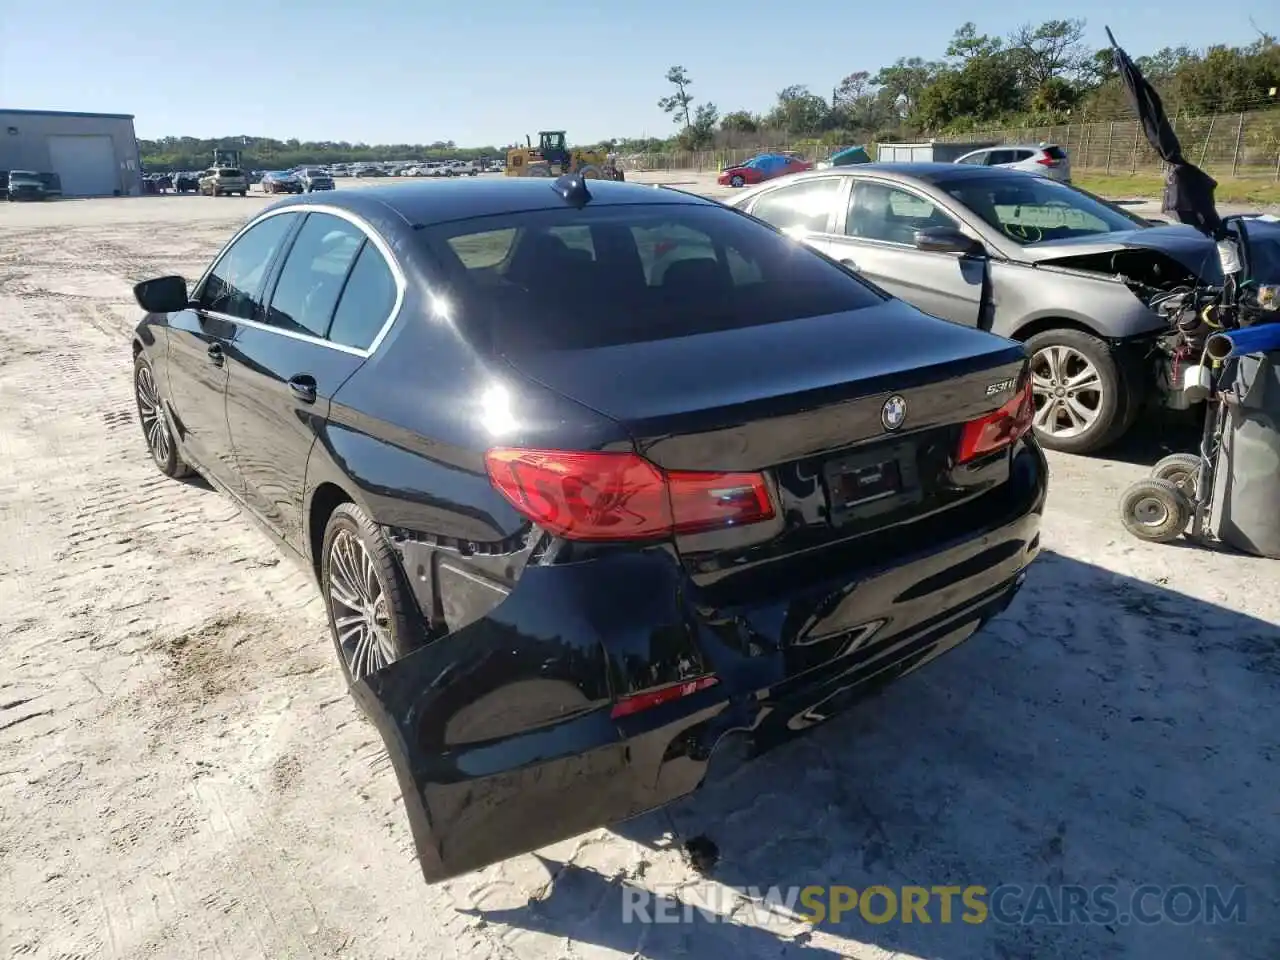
(361, 618)
(151, 413)
(1067, 389)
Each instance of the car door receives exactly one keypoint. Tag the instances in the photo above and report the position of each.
(875, 235)
(319, 325)
(806, 210)
(200, 338)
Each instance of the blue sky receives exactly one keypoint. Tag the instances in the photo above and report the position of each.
(488, 72)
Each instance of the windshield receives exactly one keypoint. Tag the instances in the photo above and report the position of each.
(1029, 209)
(577, 279)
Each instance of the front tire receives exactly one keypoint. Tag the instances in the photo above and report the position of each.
(737, 181)
(368, 603)
(155, 425)
(1077, 388)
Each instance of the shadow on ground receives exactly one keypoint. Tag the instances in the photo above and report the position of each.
(1157, 437)
(1102, 732)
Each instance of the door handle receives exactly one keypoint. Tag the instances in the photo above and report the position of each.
(216, 356)
(303, 387)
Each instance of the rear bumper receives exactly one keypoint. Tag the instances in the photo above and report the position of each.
(501, 733)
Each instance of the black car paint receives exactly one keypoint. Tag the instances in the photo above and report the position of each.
(499, 727)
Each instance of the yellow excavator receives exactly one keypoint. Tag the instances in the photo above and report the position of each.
(552, 158)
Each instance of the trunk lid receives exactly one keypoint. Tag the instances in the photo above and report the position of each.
(811, 404)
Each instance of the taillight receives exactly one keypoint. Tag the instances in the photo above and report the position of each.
(649, 699)
(998, 429)
(622, 496)
(1047, 162)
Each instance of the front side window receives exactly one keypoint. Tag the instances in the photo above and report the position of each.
(878, 211)
(313, 274)
(800, 206)
(234, 285)
(1030, 210)
(520, 283)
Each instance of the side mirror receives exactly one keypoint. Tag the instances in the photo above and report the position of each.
(947, 240)
(162, 295)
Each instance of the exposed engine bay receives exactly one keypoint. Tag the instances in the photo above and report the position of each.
(1176, 295)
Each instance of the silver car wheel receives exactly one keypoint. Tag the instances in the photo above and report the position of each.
(361, 618)
(151, 413)
(1068, 391)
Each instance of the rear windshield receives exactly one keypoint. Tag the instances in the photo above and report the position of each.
(228, 172)
(1055, 153)
(575, 279)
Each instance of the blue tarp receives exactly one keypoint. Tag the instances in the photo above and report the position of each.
(850, 155)
(767, 162)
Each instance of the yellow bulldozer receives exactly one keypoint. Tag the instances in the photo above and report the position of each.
(552, 158)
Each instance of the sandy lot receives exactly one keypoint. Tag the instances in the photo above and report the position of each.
(183, 775)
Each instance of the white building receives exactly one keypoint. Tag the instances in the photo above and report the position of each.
(93, 154)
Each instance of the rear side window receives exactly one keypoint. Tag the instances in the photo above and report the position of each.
(806, 206)
(367, 301)
(575, 279)
(313, 275)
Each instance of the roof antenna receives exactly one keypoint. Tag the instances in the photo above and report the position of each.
(572, 188)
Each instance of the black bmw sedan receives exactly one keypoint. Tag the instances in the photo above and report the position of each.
(594, 478)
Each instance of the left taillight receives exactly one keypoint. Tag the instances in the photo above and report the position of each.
(1048, 162)
(996, 430)
(586, 495)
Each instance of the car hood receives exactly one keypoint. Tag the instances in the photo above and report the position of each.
(1184, 244)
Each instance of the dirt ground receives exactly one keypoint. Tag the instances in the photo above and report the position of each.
(183, 775)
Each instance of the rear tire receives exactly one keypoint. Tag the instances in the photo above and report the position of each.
(1155, 510)
(372, 615)
(1077, 388)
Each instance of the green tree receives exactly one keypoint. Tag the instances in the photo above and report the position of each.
(702, 131)
(799, 112)
(740, 121)
(677, 104)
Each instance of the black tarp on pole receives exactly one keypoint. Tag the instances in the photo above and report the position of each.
(1188, 190)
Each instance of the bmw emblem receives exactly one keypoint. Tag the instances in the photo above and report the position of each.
(894, 412)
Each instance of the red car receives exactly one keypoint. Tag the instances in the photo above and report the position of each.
(764, 167)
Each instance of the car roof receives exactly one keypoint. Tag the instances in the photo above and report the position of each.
(928, 172)
(425, 204)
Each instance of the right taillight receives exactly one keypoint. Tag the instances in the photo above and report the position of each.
(621, 496)
(996, 430)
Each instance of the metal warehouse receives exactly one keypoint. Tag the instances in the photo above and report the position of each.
(93, 154)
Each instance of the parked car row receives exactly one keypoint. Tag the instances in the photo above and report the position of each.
(20, 185)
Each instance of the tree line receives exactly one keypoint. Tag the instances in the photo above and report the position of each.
(1038, 75)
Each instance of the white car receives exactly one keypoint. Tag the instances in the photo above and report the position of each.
(1045, 159)
(463, 168)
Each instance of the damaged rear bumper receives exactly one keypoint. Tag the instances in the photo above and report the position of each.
(502, 734)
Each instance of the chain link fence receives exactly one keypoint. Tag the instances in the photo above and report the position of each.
(1230, 145)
